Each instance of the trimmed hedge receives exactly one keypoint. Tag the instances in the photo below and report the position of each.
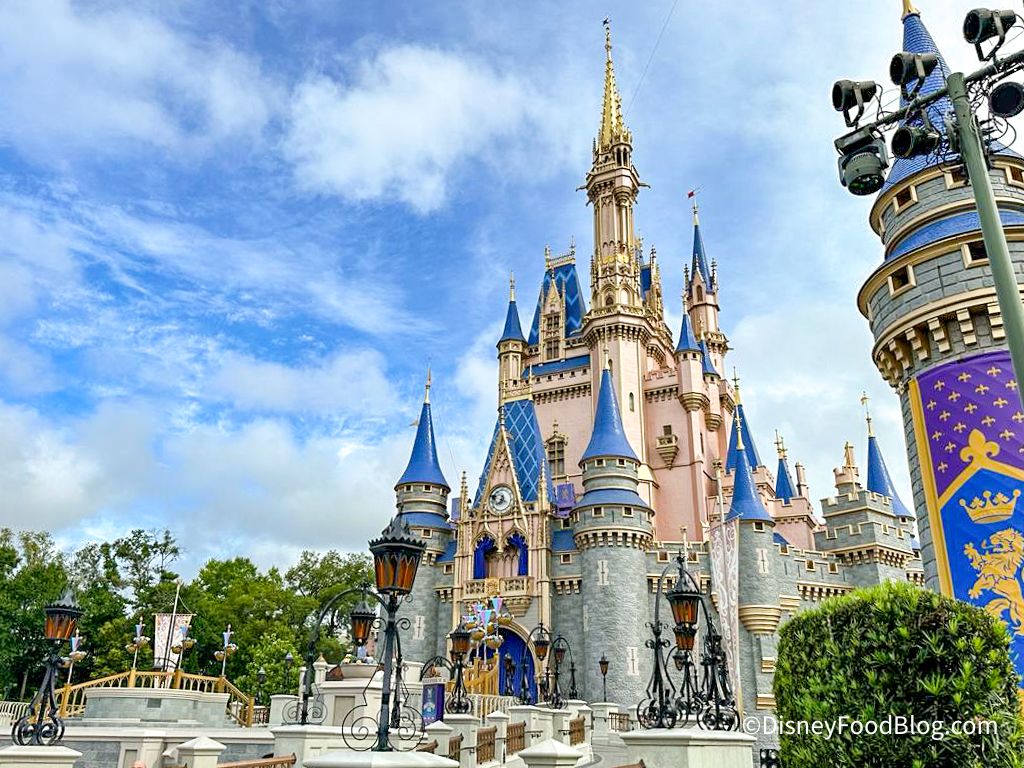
(889, 651)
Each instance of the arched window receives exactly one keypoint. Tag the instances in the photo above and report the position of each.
(609, 300)
(700, 294)
(632, 405)
(517, 542)
(556, 456)
(484, 548)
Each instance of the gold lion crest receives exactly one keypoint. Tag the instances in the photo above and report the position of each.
(998, 565)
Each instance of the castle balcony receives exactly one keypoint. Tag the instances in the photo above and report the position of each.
(516, 590)
(668, 447)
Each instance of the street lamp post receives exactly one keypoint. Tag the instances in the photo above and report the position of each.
(226, 651)
(543, 641)
(396, 558)
(863, 158)
(458, 702)
(41, 725)
(510, 672)
(75, 655)
(603, 665)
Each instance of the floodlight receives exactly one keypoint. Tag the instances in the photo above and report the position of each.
(911, 68)
(910, 140)
(847, 94)
(1006, 99)
(862, 162)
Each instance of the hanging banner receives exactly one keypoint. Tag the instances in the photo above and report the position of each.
(723, 539)
(969, 430)
(164, 639)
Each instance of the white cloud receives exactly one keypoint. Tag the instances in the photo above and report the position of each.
(347, 383)
(74, 79)
(398, 129)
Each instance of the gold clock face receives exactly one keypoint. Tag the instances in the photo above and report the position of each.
(500, 499)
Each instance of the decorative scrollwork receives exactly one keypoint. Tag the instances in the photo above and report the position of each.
(41, 724)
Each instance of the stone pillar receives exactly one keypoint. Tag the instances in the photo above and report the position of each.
(320, 667)
(38, 757)
(671, 748)
(553, 754)
(465, 725)
(499, 721)
(542, 723)
(602, 728)
(588, 718)
(278, 704)
(306, 741)
(440, 732)
(200, 752)
(523, 713)
(349, 759)
(560, 724)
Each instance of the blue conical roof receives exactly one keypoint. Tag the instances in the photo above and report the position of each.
(700, 262)
(784, 488)
(748, 441)
(879, 480)
(916, 39)
(687, 341)
(707, 365)
(608, 437)
(513, 331)
(423, 466)
(746, 503)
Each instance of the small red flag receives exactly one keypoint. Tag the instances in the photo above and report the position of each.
(692, 193)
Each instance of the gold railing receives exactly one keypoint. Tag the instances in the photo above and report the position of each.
(71, 698)
(507, 586)
(265, 762)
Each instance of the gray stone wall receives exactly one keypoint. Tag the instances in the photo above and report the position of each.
(420, 609)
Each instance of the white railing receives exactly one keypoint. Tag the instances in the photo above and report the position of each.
(11, 711)
(485, 704)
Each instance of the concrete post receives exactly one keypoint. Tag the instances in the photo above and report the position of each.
(320, 667)
(200, 752)
(550, 754)
(560, 724)
(602, 727)
(499, 721)
(306, 741)
(542, 723)
(38, 757)
(465, 725)
(671, 748)
(278, 703)
(349, 759)
(588, 719)
(440, 732)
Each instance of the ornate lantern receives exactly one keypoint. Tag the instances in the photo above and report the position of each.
(460, 641)
(362, 618)
(62, 617)
(396, 557)
(603, 664)
(685, 604)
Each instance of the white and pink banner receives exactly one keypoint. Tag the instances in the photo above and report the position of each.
(165, 638)
(723, 538)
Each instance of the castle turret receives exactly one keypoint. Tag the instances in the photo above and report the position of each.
(702, 297)
(511, 347)
(422, 496)
(938, 330)
(784, 488)
(690, 366)
(612, 529)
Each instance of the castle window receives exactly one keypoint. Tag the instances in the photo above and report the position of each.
(556, 456)
(974, 253)
(426, 487)
(427, 533)
(599, 463)
(408, 489)
(632, 404)
(833, 568)
(609, 300)
(566, 524)
(666, 430)
(904, 198)
(700, 294)
(621, 462)
(809, 564)
(759, 527)
(663, 557)
(901, 280)
(956, 177)
(552, 336)
(598, 512)
(627, 512)
(566, 559)
(449, 568)
(1015, 176)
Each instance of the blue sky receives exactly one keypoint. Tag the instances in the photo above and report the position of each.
(232, 235)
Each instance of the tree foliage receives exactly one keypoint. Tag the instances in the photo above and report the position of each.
(121, 582)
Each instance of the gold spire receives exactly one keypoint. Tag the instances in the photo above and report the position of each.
(739, 431)
(511, 286)
(909, 9)
(780, 445)
(736, 384)
(612, 126)
(426, 396)
(867, 412)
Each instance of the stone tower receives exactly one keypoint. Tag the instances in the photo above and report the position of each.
(613, 532)
(939, 342)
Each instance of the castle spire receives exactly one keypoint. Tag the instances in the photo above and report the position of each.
(879, 481)
(513, 331)
(613, 128)
(423, 465)
(700, 262)
(909, 9)
(746, 504)
(608, 437)
(784, 488)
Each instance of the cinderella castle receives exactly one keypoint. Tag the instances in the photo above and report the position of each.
(618, 444)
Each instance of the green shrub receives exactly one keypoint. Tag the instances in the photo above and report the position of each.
(896, 650)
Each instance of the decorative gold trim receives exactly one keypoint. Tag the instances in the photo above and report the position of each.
(931, 498)
(760, 619)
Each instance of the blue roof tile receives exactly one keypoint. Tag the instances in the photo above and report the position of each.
(879, 480)
(557, 366)
(616, 496)
(426, 519)
(512, 331)
(746, 503)
(784, 483)
(951, 226)
(423, 466)
(562, 541)
(608, 437)
(778, 538)
(687, 341)
(748, 443)
(700, 262)
(527, 447)
(707, 365)
(645, 278)
(568, 282)
(448, 555)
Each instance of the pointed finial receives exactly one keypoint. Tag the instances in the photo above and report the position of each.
(608, 36)
(738, 421)
(736, 384)
(547, 257)
(572, 245)
(780, 445)
(511, 286)
(693, 196)
(426, 396)
(908, 9)
(867, 411)
(848, 455)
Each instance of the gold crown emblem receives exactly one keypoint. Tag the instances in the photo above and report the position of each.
(994, 509)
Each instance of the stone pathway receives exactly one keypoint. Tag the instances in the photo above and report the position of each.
(609, 756)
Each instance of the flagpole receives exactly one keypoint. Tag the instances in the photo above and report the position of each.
(170, 630)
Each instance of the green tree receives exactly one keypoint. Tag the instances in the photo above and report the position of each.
(268, 654)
